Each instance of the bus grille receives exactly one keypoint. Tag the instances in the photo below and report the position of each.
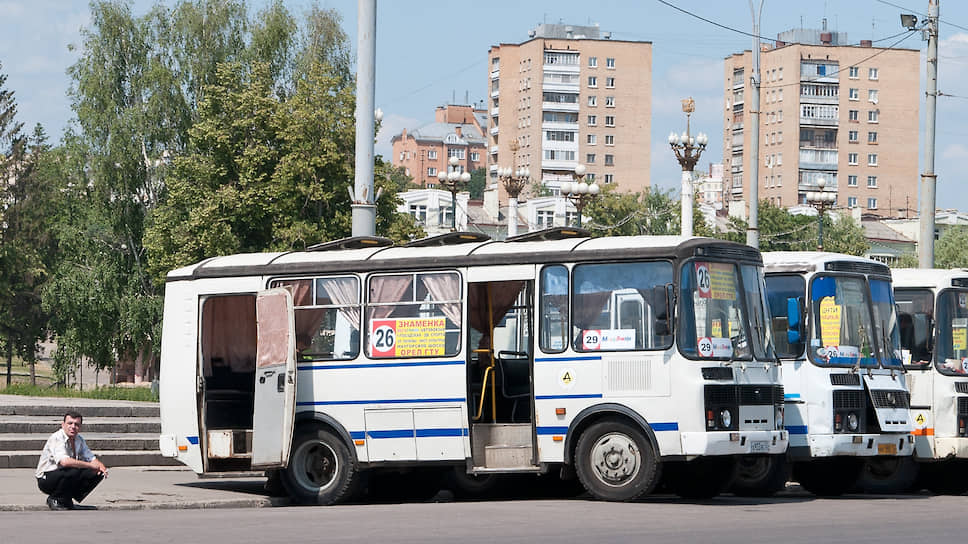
(745, 395)
(844, 379)
(961, 387)
(890, 398)
(847, 400)
(859, 267)
(740, 253)
(963, 406)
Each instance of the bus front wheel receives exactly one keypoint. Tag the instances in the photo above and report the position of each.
(616, 462)
(759, 475)
(321, 469)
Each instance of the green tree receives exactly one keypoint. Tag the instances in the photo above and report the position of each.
(949, 251)
(477, 184)
(615, 213)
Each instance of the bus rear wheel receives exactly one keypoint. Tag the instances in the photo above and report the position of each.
(321, 469)
(828, 477)
(885, 474)
(949, 477)
(616, 462)
(759, 475)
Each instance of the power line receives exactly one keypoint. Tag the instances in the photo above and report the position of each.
(915, 12)
(714, 23)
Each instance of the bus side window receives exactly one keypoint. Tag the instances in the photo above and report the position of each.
(554, 309)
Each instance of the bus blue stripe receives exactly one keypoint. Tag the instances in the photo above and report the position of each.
(670, 426)
(357, 435)
(193, 440)
(382, 365)
(796, 429)
(431, 433)
(410, 433)
(376, 401)
(791, 396)
(554, 397)
(551, 430)
(396, 433)
(564, 359)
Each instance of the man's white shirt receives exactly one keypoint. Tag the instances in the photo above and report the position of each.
(56, 449)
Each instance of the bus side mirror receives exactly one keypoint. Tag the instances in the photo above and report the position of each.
(794, 326)
(663, 320)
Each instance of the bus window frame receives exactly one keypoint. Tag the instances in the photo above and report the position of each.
(802, 296)
(936, 335)
(810, 324)
(541, 320)
(934, 312)
(312, 278)
(740, 292)
(461, 300)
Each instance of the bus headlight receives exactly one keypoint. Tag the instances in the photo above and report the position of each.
(726, 418)
(853, 423)
(779, 417)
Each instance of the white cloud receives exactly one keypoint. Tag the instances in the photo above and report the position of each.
(955, 152)
(392, 125)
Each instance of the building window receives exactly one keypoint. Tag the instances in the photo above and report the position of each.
(872, 116)
(610, 101)
(610, 62)
(609, 178)
(432, 154)
(609, 160)
(402, 155)
(853, 72)
(571, 218)
(872, 159)
(851, 201)
(779, 134)
(779, 159)
(476, 157)
(592, 81)
(432, 172)
(852, 159)
(852, 115)
(872, 95)
(853, 94)
(458, 152)
(609, 120)
(852, 136)
(779, 183)
(590, 158)
(592, 100)
(872, 137)
(419, 212)
(609, 82)
(872, 182)
(872, 73)
(593, 62)
(559, 155)
(544, 218)
(592, 120)
(590, 177)
(560, 136)
(872, 203)
(609, 139)
(591, 139)
(852, 181)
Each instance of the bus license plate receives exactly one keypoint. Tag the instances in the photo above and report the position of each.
(887, 449)
(760, 446)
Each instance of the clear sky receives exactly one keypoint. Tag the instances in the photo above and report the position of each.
(431, 51)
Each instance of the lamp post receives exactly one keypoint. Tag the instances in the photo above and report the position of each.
(514, 182)
(454, 181)
(821, 200)
(687, 150)
(579, 192)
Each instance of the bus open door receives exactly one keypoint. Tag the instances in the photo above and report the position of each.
(275, 379)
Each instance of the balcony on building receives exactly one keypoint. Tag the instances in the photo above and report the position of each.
(494, 111)
(819, 71)
(808, 181)
(560, 101)
(555, 80)
(494, 130)
(818, 159)
(562, 61)
(819, 93)
(493, 150)
(818, 138)
(819, 114)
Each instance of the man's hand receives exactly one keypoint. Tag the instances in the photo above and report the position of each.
(99, 467)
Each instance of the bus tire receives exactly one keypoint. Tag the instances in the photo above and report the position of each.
(828, 477)
(474, 486)
(701, 478)
(321, 469)
(759, 475)
(615, 461)
(886, 475)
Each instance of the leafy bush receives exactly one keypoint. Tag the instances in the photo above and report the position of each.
(106, 392)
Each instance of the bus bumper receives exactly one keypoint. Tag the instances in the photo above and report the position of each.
(950, 447)
(860, 445)
(734, 442)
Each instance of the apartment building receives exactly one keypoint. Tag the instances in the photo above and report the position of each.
(845, 114)
(571, 95)
(457, 131)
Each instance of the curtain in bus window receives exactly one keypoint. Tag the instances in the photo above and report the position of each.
(229, 333)
(344, 293)
(387, 289)
(445, 287)
(503, 296)
(302, 291)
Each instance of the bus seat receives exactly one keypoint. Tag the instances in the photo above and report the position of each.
(515, 373)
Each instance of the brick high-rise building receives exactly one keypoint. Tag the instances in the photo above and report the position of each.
(847, 114)
(571, 95)
(457, 131)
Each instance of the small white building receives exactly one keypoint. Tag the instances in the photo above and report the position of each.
(432, 208)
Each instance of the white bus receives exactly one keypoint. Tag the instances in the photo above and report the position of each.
(847, 407)
(933, 315)
(613, 359)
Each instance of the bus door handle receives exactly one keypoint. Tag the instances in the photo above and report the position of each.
(266, 374)
(281, 382)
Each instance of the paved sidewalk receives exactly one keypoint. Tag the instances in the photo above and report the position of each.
(141, 488)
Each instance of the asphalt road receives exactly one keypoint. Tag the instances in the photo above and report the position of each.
(788, 520)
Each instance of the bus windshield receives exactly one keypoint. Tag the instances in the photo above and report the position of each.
(841, 332)
(952, 349)
(713, 322)
(885, 323)
(915, 315)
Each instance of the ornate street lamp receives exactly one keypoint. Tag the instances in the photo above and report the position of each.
(579, 192)
(821, 200)
(454, 181)
(687, 150)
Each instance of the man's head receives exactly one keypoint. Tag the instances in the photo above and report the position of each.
(72, 423)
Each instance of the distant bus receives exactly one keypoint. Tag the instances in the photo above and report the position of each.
(933, 315)
(847, 406)
(611, 359)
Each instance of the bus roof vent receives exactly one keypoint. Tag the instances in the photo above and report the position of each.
(959, 282)
(731, 251)
(354, 242)
(858, 267)
(449, 239)
(554, 233)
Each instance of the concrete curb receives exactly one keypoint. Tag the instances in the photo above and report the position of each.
(179, 505)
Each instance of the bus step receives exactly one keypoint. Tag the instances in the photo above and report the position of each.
(501, 456)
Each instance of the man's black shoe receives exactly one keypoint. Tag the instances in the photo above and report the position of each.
(59, 504)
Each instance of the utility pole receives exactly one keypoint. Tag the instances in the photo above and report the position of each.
(753, 230)
(929, 178)
(364, 209)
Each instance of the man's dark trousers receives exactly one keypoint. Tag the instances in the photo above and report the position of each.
(69, 483)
